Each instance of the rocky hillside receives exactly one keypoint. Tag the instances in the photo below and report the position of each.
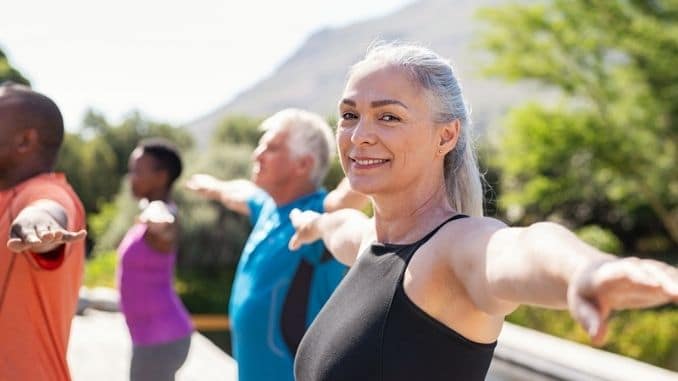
(313, 77)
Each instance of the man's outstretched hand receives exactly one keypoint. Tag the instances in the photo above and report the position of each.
(205, 185)
(41, 227)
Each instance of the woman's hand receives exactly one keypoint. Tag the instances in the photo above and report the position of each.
(162, 229)
(306, 225)
(156, 212)
(604, 286)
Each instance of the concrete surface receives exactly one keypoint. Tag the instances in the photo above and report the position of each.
(100, 349)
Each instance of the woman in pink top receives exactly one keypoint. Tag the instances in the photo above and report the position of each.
(158, 322)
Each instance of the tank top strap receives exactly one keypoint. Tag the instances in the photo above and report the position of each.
(434, 231)
(413, 247)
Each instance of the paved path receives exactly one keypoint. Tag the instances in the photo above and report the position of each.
(100, 349)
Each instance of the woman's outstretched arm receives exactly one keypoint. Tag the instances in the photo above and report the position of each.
(341, 231)
(545, 264)
(343, 196)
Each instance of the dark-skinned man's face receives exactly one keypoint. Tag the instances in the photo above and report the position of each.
(8, 137)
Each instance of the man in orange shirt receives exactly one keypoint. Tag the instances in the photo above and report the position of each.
(41, 258)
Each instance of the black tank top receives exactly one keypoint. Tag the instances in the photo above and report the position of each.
(370, 329)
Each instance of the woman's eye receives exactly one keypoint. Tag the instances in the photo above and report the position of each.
(390, 118)
(348, 115)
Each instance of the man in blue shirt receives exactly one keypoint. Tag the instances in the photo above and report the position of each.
(276, 292)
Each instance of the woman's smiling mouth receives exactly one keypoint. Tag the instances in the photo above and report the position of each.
(366, 163)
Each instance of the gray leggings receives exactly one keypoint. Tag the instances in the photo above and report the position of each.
(158, 362)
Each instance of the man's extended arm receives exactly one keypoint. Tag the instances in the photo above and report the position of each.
(40, 227)
(232, 194)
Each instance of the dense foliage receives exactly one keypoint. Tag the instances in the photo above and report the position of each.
(95, 158)
(602, 150)
(9, 73)
(599, 152)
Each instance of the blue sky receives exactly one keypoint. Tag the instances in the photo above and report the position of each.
(173, 61)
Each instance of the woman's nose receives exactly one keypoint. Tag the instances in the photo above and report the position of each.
(363, 133)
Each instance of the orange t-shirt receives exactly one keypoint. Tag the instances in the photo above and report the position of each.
(40, 292)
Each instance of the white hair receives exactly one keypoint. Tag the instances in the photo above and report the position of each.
(463, 180)
(309, 134)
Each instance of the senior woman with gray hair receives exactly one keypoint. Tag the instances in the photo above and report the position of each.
(431, 279)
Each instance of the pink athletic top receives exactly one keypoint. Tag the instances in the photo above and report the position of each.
(153, 311)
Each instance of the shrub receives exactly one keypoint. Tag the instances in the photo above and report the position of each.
(649, 335)
(100, 270)
(205, 290)
(601, 238)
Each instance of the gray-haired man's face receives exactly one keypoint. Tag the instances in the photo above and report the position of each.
(273, 161)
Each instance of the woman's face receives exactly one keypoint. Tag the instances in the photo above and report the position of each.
(146, 180)
(386, 135)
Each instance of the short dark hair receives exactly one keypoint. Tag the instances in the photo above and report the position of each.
(37, 111)
(166, 155)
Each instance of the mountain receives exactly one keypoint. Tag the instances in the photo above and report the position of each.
(314, 76)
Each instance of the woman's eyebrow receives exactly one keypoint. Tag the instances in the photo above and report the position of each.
(379, 103)
(386, 102)
(348, 102)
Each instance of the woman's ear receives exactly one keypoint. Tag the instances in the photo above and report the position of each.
(448, 134)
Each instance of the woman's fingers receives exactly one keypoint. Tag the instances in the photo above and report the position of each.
(666, 276)
(303, 219)
(592, 317)
(294, 243)
(619, 284)
(635, 283)
(157, 212)
(304, 224)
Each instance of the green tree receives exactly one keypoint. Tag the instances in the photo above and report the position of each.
(91, 168)
(123, 137)
(95, 159)
(9, 73)
(606, 151)
(237, 129)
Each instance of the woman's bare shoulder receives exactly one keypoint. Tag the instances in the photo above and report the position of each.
(466, 238)
(470, 227)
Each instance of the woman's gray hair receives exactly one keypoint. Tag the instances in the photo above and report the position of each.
(463, 180)
(309, 134)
